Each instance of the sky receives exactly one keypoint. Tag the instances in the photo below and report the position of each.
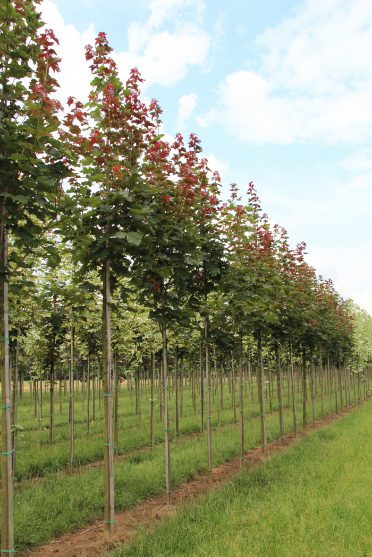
(278, 91)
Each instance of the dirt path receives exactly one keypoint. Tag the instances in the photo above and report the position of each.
(93, 540)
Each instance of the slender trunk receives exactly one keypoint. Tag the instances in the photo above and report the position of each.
(52, 384)
(52, 381)
(152, 413)
(35, 397)
(116, 404)
(88, 393)
(181, 387)
(329, 384)
(208, 382)
(107, 392)
(166, 412)
(270, 392)
(261, 392)
(222, 371)
(304, 391)
(341, 387)
(233, 393)
(7, 540)
(40, 399)
(176, 409)
(60, 395)
(321, 375)
(241, 400)
(335, 368)
(99, 379)
(193, 392)
(15, 405)
(280, 391)
(160, 391)
(313, 387)
(294, 407)
(71, 394)
(250, 386)
(138, 393)
(201, 389)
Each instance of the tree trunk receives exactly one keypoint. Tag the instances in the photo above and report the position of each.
(294, 407)
(280, 391)
(52, 382)
(208, 383)
(88, 393)
(321, 375)
(71, 394)
(6, 430)
(261, 392)
(313, 386)
(107, 392)
(166, 411)
(176, 409)
(304, 391)
(15, 405)
(201, 389)
(152, 409)
(241, 400)
(116, 404)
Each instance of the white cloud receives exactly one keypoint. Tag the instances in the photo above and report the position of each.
(162, 10)
(360, 160)
(315, 79)
(75, 76)
(357, 271)
(166, 57)
(164, 47)
(186, 106)
(342, 206)
(218, 165)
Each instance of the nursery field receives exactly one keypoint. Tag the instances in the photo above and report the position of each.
(313, 499)
(57, 491)
(155, 324)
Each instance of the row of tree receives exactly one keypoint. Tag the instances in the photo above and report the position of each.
(100, 213)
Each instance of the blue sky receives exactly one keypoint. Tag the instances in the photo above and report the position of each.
(280, 93)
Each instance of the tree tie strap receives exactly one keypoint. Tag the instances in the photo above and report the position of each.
(6, 340)
(7, 453)
(7, 551)
(107, 394)
(110, 521)
(6, 406)
(109, 444)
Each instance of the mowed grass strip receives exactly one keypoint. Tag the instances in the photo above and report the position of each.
(313, 500)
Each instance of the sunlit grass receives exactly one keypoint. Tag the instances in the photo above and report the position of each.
(314, 500)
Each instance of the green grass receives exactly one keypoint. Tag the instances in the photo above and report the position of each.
(36, 457)
(59, 503)
(314, 500)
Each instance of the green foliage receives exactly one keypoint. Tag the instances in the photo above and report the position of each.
(31, 159)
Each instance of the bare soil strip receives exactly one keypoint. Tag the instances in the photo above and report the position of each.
(93, 541)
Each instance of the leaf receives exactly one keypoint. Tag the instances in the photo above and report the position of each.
(134, 238)
(120, 234)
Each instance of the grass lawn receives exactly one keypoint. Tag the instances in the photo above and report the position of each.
(314, 500)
